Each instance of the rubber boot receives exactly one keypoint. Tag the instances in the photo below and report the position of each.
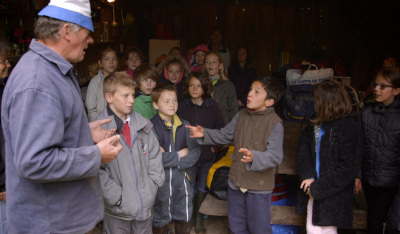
(160, 230)
(182, 227)
(198, 217)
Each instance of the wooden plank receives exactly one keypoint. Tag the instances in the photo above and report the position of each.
(291, 136)
(284, 215)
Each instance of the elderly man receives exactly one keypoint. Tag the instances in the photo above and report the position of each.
(4, 69)
(52, 164)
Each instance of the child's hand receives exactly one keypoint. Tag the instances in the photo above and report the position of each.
(196, 132)
(183, 152)
(305, 185)
(247, 155)
(162, 149)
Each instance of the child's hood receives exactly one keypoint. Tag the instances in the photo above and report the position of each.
(192, 63)
(163, 66)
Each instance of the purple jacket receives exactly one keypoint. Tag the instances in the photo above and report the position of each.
(52, 165)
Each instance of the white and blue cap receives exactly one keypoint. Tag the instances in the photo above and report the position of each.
(74, 11)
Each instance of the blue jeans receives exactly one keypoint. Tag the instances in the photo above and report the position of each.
(3, 218)
(249, 212)
(198, 177)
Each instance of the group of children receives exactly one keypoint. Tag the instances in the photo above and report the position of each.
(160, 176)
(162, 170)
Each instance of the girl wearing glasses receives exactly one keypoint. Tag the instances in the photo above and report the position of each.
(328, 158)
(380, 171)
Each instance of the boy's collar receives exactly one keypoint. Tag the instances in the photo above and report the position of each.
(118, 121)
(267, 108)
(175, 121)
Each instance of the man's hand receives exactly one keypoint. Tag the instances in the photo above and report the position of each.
(109, 148)
(98, 132)
(3, 196)
(196, 132)
(358, 186)
(162, 149)
(183, 152)
(247, 155)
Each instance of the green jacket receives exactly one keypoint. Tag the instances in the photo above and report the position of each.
(144, 106)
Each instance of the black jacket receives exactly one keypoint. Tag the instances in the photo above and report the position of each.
(207, 115)
(242, 78)
(340, 158)
(381, 157)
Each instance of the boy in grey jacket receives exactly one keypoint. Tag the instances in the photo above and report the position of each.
(131, 181)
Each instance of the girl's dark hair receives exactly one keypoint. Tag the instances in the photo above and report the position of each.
(249, 62)
(135, 51)
(272, 86)
(106, 50)
(331, 101)
(391, 75)
(206, 84)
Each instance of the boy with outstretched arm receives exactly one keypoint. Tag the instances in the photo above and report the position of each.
(257, 134)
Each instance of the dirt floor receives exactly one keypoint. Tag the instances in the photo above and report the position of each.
(213, 224)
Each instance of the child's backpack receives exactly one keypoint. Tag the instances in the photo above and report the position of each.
(299, 102)
(218, 175)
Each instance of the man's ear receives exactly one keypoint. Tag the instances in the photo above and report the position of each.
(155, 105)
(66, 31)
(108, 97)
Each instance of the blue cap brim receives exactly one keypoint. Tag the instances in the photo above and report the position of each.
(68, 16)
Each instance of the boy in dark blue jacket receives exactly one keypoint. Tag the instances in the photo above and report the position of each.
(174, 198)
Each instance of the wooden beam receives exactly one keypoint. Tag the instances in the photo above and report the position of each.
(284, 215)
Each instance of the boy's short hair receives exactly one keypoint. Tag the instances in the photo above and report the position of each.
(117, 79)
(157, 91)
(205, 82)
(145, 71)
(272, 86)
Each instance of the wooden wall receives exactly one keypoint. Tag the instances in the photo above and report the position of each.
(363, 32)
